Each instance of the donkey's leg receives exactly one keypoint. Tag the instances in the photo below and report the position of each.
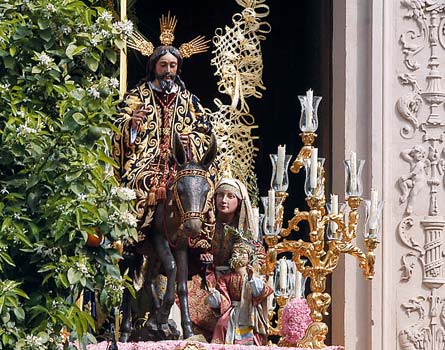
(126, 324)
(168, 262)
(181, 253)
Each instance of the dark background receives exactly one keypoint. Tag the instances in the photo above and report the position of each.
(296, 57)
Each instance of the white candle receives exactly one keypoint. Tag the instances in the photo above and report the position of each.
(283, 274)
(280, 165)
(353, 172)
(309, 99)
(271, 214)
(373, 209)
(256, 222)
(314, 167)
(298, 278)
(334, 210)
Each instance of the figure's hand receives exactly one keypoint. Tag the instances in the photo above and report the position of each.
(206, 258)
(249, 269)
(137, 118)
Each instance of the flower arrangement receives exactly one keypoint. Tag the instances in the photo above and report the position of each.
(295, 320)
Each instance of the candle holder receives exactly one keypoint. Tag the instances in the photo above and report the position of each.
(311, 189)
(353, 183)
(280, 179)
(330, 235)
(332, 231)
(309, 113)
(274, 229)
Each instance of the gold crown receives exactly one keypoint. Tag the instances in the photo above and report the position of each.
(137, 42)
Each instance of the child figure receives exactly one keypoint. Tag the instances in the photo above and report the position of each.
(241, 300)
(411, 184)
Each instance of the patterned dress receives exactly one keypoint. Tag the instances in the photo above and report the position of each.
(243, 319)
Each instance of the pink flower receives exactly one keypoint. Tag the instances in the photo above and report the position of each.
(295, 320)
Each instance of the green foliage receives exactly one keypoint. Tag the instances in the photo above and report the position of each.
(58, 95)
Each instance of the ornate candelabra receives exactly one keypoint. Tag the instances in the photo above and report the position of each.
(332, 227)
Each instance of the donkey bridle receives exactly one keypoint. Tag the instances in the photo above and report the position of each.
(191, 214)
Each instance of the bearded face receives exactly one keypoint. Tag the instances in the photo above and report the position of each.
(166, 70)
(166, 81)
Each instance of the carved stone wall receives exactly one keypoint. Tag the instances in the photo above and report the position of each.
(389, 106)
(420, 146)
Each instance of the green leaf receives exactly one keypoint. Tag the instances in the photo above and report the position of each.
(7, 258)
(9, 62)
(46, 34)
(19, 313)
(73, 276)
(42, 22)
(92, 64)
(111, 55)
(78, 94)
(80, 118)
(47, 267)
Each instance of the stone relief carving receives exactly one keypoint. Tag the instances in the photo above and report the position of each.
(411, 183)
(427, 333)
(409, 104)
(423, 234)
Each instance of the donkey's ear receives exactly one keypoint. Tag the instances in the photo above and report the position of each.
(178, 150)
(210, 155)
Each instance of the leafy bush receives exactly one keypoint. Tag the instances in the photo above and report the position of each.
(58, 95)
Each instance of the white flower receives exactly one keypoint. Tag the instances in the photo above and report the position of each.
(94, 41)
(25, 130)
(65, 29)
(114, 83)
(16, 216)
(50, 8)
(21, 114)
(105, 33)
(124, 193)
(44, 59)
(93, 92)
(4, 190)
(125, 27)
(82, 196)
(82, 268)
(128, 219)
(5, 86)
(106, 16)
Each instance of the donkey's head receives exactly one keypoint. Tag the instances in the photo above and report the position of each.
(193, 189)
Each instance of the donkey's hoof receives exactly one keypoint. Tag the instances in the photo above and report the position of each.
(124, 337)
(164, 331)
(188, 332)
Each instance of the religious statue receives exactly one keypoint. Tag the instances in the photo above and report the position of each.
(154, 116)
(150, 114)
(240, 298)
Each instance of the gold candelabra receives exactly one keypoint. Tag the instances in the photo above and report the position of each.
(332, 230)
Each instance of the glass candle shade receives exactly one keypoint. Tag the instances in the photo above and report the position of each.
(332, 231)
(353, 178)
(270, 226)
(285, 278)
(309, 189)
(373, 215)
(309, 116)
(280, 176)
